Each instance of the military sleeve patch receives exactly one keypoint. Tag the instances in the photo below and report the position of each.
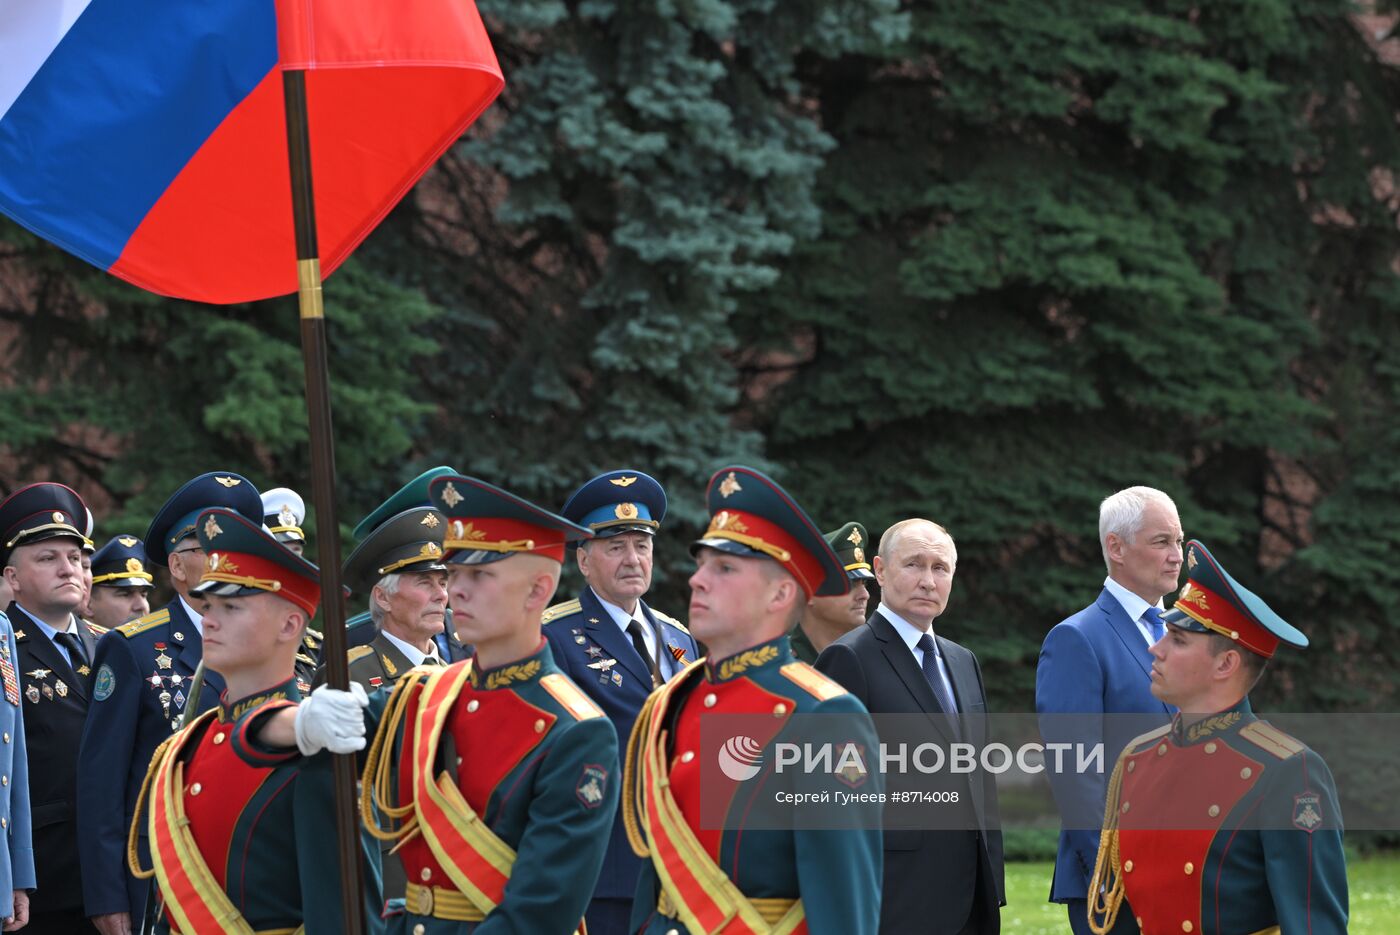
(104, 684)
(1307, 811)
(592, 787)
(811, 681)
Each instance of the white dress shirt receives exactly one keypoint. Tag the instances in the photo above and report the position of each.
(1134, 606)
(911, 634)
(50, 632)
(413, 654)
(195, 618)
(622, 619)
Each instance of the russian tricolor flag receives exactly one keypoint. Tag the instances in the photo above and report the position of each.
(147, 136)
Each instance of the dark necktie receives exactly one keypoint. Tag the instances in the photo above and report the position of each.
(634, 630)
(1153, 616)
(70, 642)
(941, 689)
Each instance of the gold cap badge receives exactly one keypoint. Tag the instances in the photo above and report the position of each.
(730, 485)
(128, 541)
(625, 511)
(450, 496)
(229, 481)
(622, 481)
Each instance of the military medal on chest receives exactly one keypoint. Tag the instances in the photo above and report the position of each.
(7, 673)
(606, 672)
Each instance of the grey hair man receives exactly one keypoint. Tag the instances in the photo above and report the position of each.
(1097, 662)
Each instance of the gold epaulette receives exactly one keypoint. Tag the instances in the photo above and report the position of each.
(93, 628)
(1143, 740)
(671, 620)
(1272, 740)
(141, 624)
(570, 696)
(561, 610)
(811, 681)
(313, 635)
(357, 652)
(303, 657)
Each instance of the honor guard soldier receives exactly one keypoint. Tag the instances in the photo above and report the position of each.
(1219, 823)
(615, 647)
(144, 673)
(827, 619)
(360, 629)
(239, 830)
(121, 583)
(499, 774)
(757, 565)
(41, 548)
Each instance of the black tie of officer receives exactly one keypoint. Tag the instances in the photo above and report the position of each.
(70, 642)
(634, 630)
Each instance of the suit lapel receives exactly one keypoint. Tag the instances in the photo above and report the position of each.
(393, 660)
(601, 627)
(44, 651)
(1126, 630)
(902, 661)
(666, 637)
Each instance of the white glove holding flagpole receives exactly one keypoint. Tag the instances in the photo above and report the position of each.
(332, 720)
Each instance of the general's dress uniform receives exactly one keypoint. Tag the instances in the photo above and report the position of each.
(55, 681)
(17, 851)
(1222, 825)
(360, 628)
(701, 879)
(144, 673)
(240, 831)
(593, 650)
(502, 782)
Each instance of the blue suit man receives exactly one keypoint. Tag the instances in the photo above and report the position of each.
(17, 856)
(145, 671)
(614, 646)
(1097, 662)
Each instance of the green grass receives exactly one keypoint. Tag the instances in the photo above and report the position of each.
(1374, 883)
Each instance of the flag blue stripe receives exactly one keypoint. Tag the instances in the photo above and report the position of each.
(119, 108)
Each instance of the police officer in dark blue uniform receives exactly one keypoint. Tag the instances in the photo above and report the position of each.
(613, 645)
(143, 676)
(41, 551)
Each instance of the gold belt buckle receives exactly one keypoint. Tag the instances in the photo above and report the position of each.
(424, 905)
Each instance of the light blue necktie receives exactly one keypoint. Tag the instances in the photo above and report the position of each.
(1153, 616)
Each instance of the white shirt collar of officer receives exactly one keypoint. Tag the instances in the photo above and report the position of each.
(412, 653)
(1133, 605)
(45, 628)
(196, 618)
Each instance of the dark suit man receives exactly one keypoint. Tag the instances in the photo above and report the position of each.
(54, 671)
(935, 881)
(1096, 662)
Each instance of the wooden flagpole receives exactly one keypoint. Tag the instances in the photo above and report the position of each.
(318, 408)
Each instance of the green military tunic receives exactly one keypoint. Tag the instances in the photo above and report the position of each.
(801, 645)
(1224, 826)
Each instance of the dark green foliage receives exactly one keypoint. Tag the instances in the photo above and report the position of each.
(986, 262)
(1077, 246)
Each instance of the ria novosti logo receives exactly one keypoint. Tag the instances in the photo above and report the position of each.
(741, 758)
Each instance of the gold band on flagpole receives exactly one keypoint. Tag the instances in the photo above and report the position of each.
(309, 288)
